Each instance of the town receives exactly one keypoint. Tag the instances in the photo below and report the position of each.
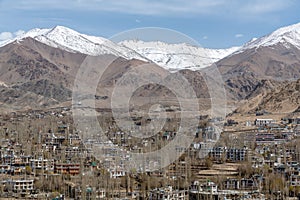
(42, 156)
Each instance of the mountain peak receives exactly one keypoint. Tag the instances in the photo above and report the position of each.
(288, 29)
(72, 41)
(62, 30)
(288, 35)
(59, 27)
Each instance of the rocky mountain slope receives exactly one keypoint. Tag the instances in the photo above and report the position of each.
(284, 98)
(36, 74)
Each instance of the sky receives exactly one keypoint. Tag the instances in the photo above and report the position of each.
(212, 23)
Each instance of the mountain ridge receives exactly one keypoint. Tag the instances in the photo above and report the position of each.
(29, 61)
(172, 57)
(183, 56)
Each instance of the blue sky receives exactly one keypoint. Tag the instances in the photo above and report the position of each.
(213, 23)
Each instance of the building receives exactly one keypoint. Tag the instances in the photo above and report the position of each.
(264, 122)
(67, 168)
(236, 155)
(234, 189)
(264, 138)
(42, 164)
(168, 193)
(217, 153)
(294, 180)
(231, 184)
(114, 173)
(20, 185)
(4, 169)
(220, 154)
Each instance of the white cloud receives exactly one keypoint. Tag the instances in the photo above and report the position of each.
(6, 36)
(9, 35)
(239, 35)
(205, 37)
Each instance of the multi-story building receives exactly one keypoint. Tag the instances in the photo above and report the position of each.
(42, 164)
(67, 168)
(20, 185)
(217, 153)
(168, 193)
(236, 155)
(231, 154)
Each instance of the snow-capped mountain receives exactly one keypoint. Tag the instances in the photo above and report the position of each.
(172, 57)
(72, 41)
(275, 57)
(287, 36)
(178, 56)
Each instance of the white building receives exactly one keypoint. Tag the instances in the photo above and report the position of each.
(264, 122)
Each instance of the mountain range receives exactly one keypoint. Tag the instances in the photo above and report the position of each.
(37, 69)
